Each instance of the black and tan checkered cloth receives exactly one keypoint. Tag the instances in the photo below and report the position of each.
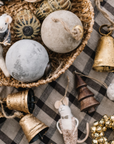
(46, 95)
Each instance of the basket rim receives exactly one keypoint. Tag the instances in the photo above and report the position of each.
(66, 66)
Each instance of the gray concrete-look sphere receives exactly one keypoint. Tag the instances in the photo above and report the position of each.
(26, 60)
(53, 34)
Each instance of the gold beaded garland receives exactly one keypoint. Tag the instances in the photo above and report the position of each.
(98, 129)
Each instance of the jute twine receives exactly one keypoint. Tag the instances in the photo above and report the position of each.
(111, 26)
(16, 114)
(75, 34)
(98, 81)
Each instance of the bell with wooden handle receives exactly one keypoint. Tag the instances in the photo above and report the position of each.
(104, 58)
(21, 101)
(33, 128)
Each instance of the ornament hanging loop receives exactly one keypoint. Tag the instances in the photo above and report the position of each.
(102, 26)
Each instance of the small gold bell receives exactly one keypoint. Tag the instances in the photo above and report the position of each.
(111, 142)
(94, 141)
(101, 141)
(113, 125)
(93, 129)
(105, 139)
(112, 118)
(101, 134)
(106, 142)
(96, 135)
(104, 128)
(105, 117)
(96, 123)
(99, 129)
(108, 124)
(104, 58)
(101, 122)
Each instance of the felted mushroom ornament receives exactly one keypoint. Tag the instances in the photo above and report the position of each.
(62, 31)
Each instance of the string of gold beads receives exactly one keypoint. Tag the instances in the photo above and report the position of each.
(98, 129)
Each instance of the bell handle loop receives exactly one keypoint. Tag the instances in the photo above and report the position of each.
(105, 25)
(76, 32)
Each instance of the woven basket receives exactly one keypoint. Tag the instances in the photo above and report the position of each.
(60, 62)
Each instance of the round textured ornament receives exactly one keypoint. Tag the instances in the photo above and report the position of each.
(26, 60)
(47, 7)
(26, 25)
(62, 31)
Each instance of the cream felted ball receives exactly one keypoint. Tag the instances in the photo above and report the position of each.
(62, 31)
(110, 91)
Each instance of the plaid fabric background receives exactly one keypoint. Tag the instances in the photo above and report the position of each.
(46, 95)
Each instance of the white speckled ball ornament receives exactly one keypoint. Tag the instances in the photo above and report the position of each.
(110, 91)
(26, 60)
(62, 31)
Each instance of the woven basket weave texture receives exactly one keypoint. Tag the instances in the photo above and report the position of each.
(82, 8)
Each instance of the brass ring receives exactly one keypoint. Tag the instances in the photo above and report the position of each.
(105, 25)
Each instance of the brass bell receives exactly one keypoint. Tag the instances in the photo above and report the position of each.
(21, 101)
(104, 58)
(32, 127)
